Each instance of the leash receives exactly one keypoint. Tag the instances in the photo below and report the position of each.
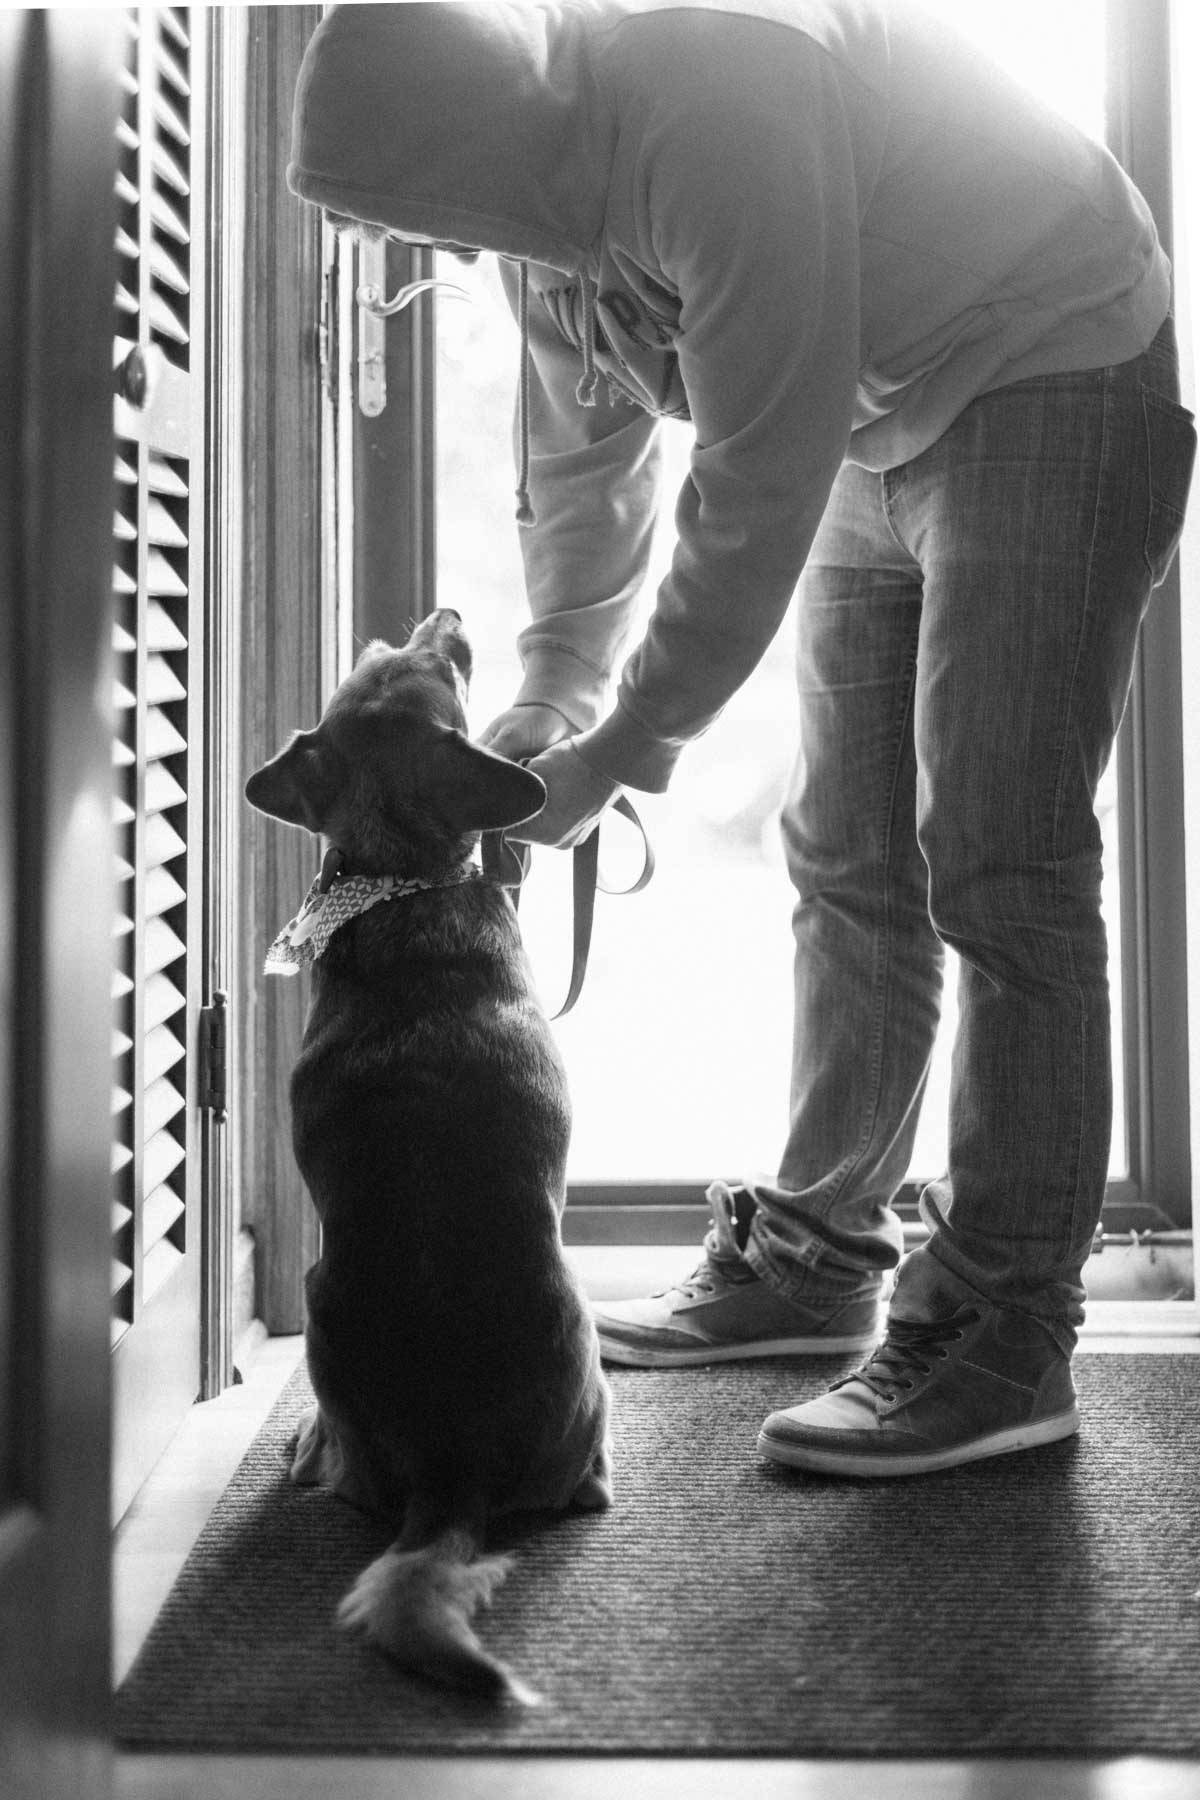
(508, 864)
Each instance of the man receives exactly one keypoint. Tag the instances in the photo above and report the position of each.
(921, 329)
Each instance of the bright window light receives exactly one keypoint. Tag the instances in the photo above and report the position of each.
(679, 1051)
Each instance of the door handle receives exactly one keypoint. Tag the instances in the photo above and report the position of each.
(373, 313)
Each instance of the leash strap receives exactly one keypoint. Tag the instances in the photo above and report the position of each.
(508, 863)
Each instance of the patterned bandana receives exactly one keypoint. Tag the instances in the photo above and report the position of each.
(330, 905)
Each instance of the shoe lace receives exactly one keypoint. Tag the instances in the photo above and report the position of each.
(910, 1348)
(700, 1281)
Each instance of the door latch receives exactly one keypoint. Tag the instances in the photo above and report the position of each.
(374, 311)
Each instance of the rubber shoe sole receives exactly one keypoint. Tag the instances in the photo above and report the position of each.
(850, 1462)
(645, 1356)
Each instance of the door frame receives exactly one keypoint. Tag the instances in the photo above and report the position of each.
(283, 641)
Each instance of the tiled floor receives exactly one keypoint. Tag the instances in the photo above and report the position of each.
(156, 1534)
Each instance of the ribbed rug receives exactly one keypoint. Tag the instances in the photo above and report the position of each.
(1037, 1603)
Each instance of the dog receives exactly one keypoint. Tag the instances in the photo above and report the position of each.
(451, 1351)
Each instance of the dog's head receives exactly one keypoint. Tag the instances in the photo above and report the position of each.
(389, 774)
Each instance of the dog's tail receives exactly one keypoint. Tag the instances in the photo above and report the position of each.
(417, 1605)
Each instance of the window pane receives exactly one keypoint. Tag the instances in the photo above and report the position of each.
(679, 1050)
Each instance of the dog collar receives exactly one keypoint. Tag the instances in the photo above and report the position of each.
(332, 901)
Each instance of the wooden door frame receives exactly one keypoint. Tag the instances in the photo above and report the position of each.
(59, 97)
(283, 644)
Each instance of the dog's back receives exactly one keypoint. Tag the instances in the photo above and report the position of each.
(431, 1126)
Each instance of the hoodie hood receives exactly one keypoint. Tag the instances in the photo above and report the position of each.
(472, 124)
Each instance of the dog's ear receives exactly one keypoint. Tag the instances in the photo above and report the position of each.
(473, 789)
(300, 785)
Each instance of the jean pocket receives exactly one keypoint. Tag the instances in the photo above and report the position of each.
(1170, 454)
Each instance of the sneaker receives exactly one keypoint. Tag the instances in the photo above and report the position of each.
(979, 1382)
(724, 1313)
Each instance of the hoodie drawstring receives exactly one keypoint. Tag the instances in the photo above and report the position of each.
(525, 515)
(585, 390)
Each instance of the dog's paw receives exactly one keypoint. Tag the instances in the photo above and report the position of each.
(308, 1449)
(595, 1491)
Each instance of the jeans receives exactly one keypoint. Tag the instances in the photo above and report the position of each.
(966, 638)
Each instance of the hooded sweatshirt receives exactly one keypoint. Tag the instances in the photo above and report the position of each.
(817, 229)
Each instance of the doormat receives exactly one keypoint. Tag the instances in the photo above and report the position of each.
(1039, 1603)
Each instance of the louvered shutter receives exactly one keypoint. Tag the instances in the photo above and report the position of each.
(158, 580)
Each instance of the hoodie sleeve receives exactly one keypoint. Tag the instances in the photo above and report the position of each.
(748, 209)
(594, 484)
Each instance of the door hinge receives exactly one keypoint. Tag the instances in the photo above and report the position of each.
(213, 1095)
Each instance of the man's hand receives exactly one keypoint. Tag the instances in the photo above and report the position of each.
(525, 731)
(576, 795)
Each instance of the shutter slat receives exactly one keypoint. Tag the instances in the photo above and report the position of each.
(163, 320)
(162, 789)
(162, 528)
(160, 946)
(162, 739)
(161, 1210)
(173, 25)
(163, 842)
(173, 69)
(164, 479)
(163, 1000)
(162, 633)
(158, 1268)
(168, 171)
(170, 222)
(162, 579)
(163, 1102)
(163, 686)
(171, 121)
(163, 1155)
(163, 893)
(164, 268)
(163, 1051)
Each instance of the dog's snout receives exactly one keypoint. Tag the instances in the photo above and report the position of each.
(443, 632)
